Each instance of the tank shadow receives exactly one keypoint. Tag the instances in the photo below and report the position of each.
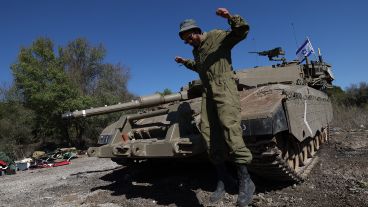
(94, 171)
(264, 185)
(169, 182)
(165, 182)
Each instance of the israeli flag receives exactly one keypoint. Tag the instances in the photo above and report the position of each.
(305, 50)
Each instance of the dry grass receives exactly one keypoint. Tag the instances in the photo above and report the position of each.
(350, 117)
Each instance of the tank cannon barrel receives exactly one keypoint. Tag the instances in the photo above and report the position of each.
(141, 102)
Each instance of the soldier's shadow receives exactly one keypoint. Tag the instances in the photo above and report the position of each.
(166, 183)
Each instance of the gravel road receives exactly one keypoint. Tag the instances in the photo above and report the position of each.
(340, 178)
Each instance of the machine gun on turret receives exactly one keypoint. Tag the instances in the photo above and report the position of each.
(272, 54)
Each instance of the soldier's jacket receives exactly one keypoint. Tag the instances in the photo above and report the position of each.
(220, 109)
(212, 58)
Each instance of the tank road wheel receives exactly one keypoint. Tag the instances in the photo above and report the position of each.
(291, 159)
(321, 139)
(296, 162)
(301, 155)
(292, 156)
(290, 162)
(305, 153)
(316, 142)
(284, 148)
(311, 150)
(324, 135)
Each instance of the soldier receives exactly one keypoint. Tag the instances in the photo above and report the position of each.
(220, 116)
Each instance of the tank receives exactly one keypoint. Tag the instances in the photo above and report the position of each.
(285, 119)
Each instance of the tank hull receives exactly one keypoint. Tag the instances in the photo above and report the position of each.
(285, 116)
(283, 125)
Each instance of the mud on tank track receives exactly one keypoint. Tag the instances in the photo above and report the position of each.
(283, 158)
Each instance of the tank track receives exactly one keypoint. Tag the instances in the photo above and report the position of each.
(280, 158)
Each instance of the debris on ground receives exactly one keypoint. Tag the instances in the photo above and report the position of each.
(339, 179)
(23, 164)
(59, 157)
(7, 165)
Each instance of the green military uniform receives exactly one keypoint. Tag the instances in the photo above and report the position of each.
(220, 116)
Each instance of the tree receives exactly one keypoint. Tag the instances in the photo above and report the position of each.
(2, 93)
(50, 84)
(83, 64)
(165, 92)
(358, 94)
(44, 88)
(100, 83)
(16, 124)
(111, 85)
(354, 95)
(337, 95)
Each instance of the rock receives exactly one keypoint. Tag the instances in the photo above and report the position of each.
(260, 195)
(269, 200)
(363, 184)
(336, 129)
(285, 198)
(141, 184)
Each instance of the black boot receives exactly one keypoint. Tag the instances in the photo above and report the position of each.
(220, 189)
(246, 187)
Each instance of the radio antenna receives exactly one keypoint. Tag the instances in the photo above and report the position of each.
(293, 28)
(255, 49)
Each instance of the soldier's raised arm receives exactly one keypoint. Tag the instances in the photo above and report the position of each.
(239, 27)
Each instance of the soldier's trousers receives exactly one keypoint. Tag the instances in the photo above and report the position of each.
(220, 122)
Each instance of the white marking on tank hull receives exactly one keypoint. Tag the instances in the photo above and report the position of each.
(305, 118)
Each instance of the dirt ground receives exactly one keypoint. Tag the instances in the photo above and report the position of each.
(340, 178)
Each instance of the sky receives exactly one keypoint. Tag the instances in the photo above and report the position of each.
(142, 35)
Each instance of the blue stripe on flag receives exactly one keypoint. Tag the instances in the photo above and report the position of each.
(300, 48)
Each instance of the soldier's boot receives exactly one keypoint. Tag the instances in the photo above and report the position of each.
(246, 187)
(219, 193)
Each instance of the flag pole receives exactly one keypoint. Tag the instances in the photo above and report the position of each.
(296, 42)
(320, 55)
(314, 54)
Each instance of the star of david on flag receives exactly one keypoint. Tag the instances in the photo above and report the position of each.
(305, 50)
